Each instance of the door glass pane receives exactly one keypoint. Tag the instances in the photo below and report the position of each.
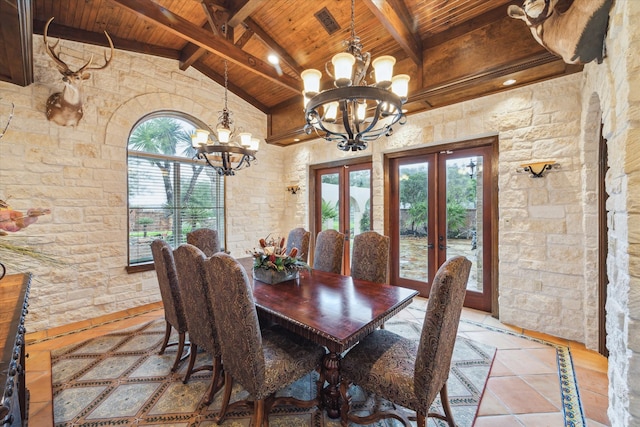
(330, 198)
(464, 214)
(414, 219)
(359, 203)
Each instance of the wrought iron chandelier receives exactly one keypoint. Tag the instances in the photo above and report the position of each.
(232, 150)
(354, 113)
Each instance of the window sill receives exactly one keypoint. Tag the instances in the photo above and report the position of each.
(139, 268)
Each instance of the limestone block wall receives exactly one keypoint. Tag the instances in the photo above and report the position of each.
(81, 175)
(612, 91)
(542, 230)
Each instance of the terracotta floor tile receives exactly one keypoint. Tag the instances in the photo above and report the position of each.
(518, 396)
(37, 360)
(553, 419)
(594, 381)
(588, 359)
(499, 369)
(593, 423)
(595, 406)
(491, 405)
(497, 421)
(523, 362)
(547, 385)
(40, 414)
(39, 386)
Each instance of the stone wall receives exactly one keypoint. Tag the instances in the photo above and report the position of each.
(81, 175)
(612, 91)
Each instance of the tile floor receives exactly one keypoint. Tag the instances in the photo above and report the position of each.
(522, 390)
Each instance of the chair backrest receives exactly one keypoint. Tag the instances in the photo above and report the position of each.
(236, 320)
(195, 297)
(327, 255)
(205, 239)
(370, 257)
(168, 282)
(299, 238)
(440, 327)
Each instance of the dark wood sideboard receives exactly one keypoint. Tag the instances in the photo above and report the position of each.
(14, 296)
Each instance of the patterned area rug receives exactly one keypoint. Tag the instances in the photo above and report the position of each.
(119, 379)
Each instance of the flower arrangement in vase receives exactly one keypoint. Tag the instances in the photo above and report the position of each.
(272, 264)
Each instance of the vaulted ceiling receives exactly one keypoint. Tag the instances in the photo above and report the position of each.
(454, 50)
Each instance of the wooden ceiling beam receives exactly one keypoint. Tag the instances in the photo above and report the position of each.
(90, 37)
(151, 12)
(241, 10)
(400, 30)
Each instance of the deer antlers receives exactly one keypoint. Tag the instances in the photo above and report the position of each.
(62, 66)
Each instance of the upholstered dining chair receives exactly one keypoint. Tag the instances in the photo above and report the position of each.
(199, 313)
(262, 361)
(406, 372)
(328, 252)
(370, 257)
(299, 238)
(171, 299)
(205, 239)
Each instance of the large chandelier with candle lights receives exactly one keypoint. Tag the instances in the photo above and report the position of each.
(232, 150)
(353, 112)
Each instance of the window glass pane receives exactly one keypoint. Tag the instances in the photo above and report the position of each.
(169, 196)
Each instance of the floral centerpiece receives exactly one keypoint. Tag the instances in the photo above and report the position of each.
(272, 264)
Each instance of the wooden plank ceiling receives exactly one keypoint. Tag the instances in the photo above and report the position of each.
(453, 50)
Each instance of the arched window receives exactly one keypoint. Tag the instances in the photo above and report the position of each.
(170, 192)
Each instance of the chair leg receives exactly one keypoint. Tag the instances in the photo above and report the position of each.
(192, 361)
(259, 418)
(444, 398)
(179, 356)
(228, 385)
(218, 377)
(167, 334)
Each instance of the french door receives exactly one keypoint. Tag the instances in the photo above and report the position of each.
(343, 202)
(441, 205)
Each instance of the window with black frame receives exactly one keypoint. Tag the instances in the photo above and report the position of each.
(170, 193)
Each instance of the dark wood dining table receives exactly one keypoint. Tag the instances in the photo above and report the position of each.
(329, 309)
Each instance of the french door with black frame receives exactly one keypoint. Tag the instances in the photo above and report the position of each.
(442, 204)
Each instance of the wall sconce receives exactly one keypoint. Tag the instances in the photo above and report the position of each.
(537, 169)
(293, 189)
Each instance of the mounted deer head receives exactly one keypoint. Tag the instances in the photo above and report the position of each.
(65, 108)
(577, 35)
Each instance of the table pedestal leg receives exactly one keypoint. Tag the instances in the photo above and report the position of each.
(331, 393)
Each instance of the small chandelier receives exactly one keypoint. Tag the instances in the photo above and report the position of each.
(225, 154)
(354, 113)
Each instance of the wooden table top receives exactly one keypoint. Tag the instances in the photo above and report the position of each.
(333, 310)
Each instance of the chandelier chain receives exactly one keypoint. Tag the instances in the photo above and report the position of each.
(226, 83)
(353, 19)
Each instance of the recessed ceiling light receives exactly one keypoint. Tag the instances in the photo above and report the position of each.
(273, 59)
(508, 82)
(296, 139)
